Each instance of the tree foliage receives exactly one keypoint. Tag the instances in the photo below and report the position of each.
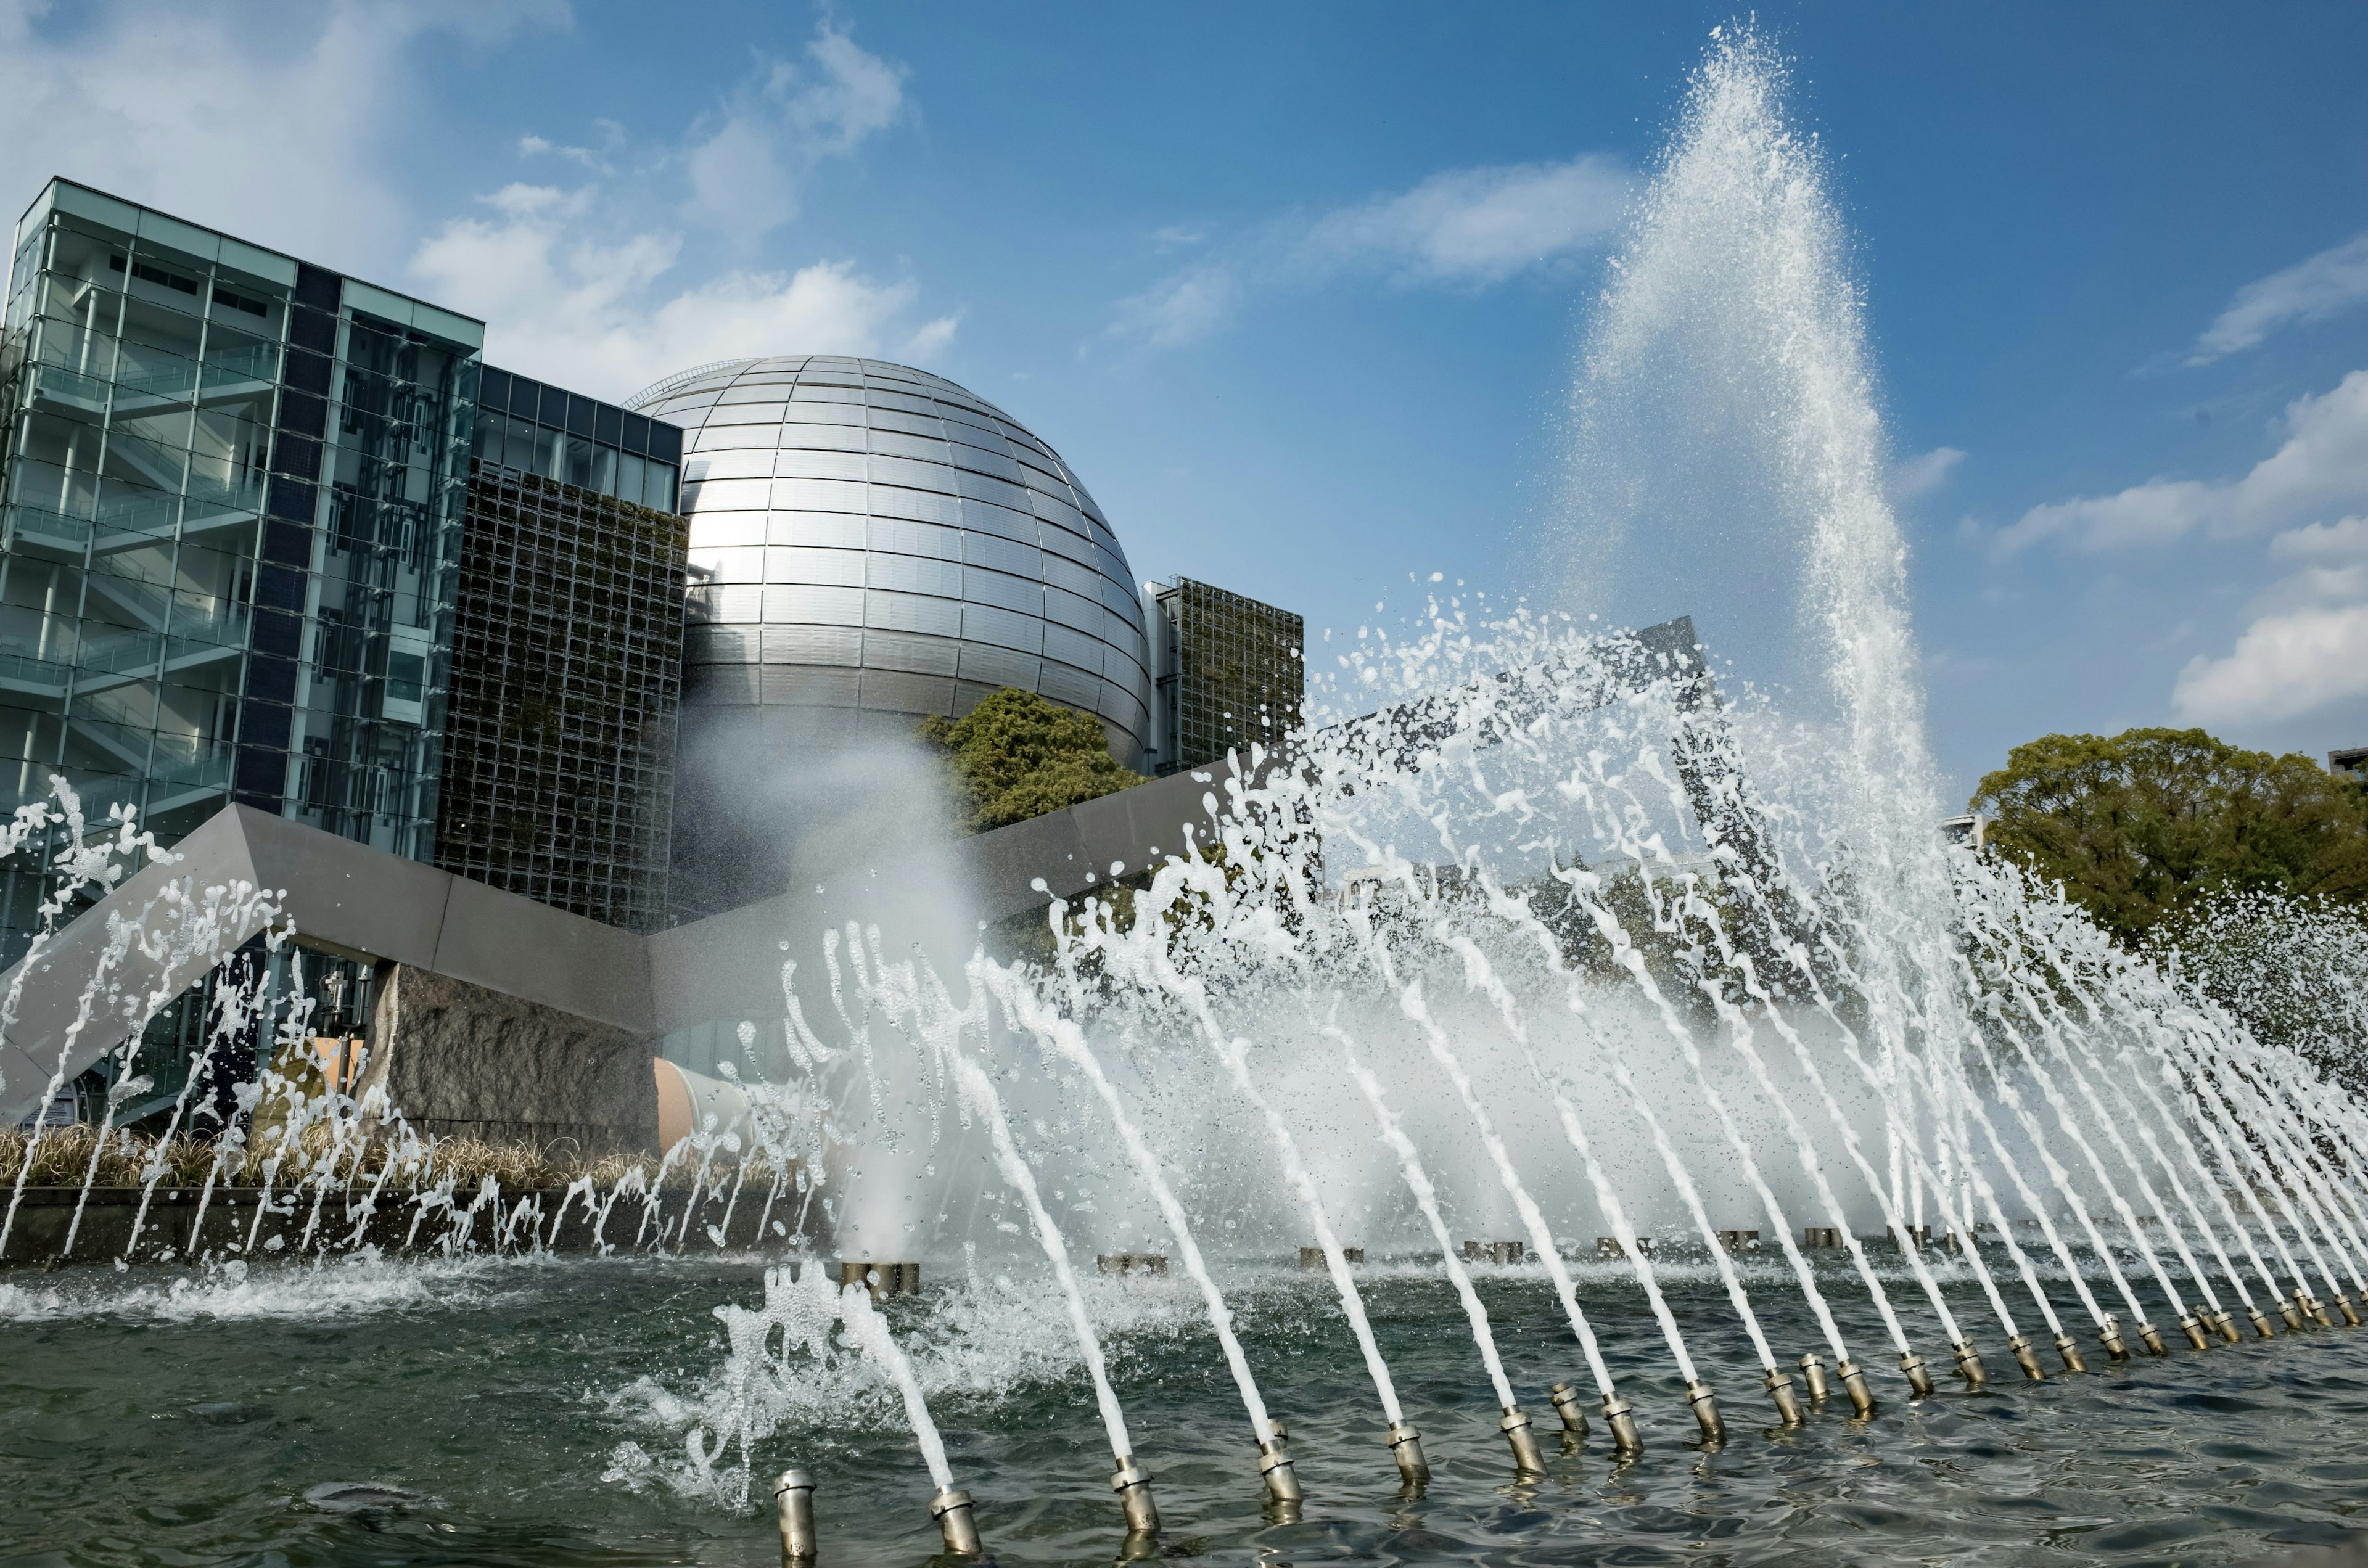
(1017, 756)
(2141, 825)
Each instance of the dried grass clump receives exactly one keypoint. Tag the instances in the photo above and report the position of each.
(62, 1158)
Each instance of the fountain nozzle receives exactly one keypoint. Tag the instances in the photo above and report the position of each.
(1705, 1402)
(2286, 1310)
(2019, 1347)
(1515, 1427)
(2261, 1323)
(1566, 1401)
(1132, 1485)
(2194, 1330)
(1788, 1405)
(1969, 1364)
(2153, 1337)
(951, 1509)
(2318, 1309)
(793, 1499)
(1919, 1382)
(1274, 1466)
(1862, 1398)
(1621, 1416)
(2071, 1353)
(1813, 1372)
(1406, 1446)
(2111, 1336)
(2226, 1322)
(2343, 1305)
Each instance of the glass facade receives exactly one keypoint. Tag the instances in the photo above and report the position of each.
(230, 530)
(567, 657)
(1231, 672)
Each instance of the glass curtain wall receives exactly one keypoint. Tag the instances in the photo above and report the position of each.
(229, 527)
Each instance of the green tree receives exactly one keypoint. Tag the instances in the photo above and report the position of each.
(2140, 826)
(1017, 756)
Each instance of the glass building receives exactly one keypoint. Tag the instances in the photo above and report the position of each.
(559, 751)
(230, 529)
(870, 544)
(1232, 671)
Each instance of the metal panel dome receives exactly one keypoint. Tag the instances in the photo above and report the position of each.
(871, 544)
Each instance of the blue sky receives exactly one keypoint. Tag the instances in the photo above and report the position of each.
(1298, 290)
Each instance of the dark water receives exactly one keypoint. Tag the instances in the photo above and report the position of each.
(468, 1413)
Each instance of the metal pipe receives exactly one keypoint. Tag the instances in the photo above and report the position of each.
(1919, 1381)
(1515, 1427)
(1132, 1485)
(2153, 1337)
(1788, 1405)
(2019, 1348)
(1621, 1416)
(2071, 1353)
(951, 1509)
(794, 1500)
(2194, 1330)
(2226, 1321)
(2111, 1334)
(1705, 1403)
(2343, 1305)
(1565, 1400)
(2286, 1310)
(1274, 1466)
(1862, 1398)
(1813, 1372)
(1969, 1364)
(2260, 1323)
(1406, 1446)
(2318, 1309)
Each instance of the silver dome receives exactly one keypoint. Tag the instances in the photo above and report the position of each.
(871, 544)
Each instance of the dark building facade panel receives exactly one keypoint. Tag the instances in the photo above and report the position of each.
(567, 668)
(1230, 672)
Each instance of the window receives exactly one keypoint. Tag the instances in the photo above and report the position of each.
(407, 678)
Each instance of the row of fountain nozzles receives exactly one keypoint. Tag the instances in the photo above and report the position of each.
(956, 1519)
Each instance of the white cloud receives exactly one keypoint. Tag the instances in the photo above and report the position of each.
(1185, 307)
(2324, 285)
(1915, 478)
(1477, 225)
(2283, 665)
(2323, 463)
(748, 168)
(562, 302)
(215, 112)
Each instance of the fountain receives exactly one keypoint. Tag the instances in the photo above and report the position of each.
(1539, 930)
